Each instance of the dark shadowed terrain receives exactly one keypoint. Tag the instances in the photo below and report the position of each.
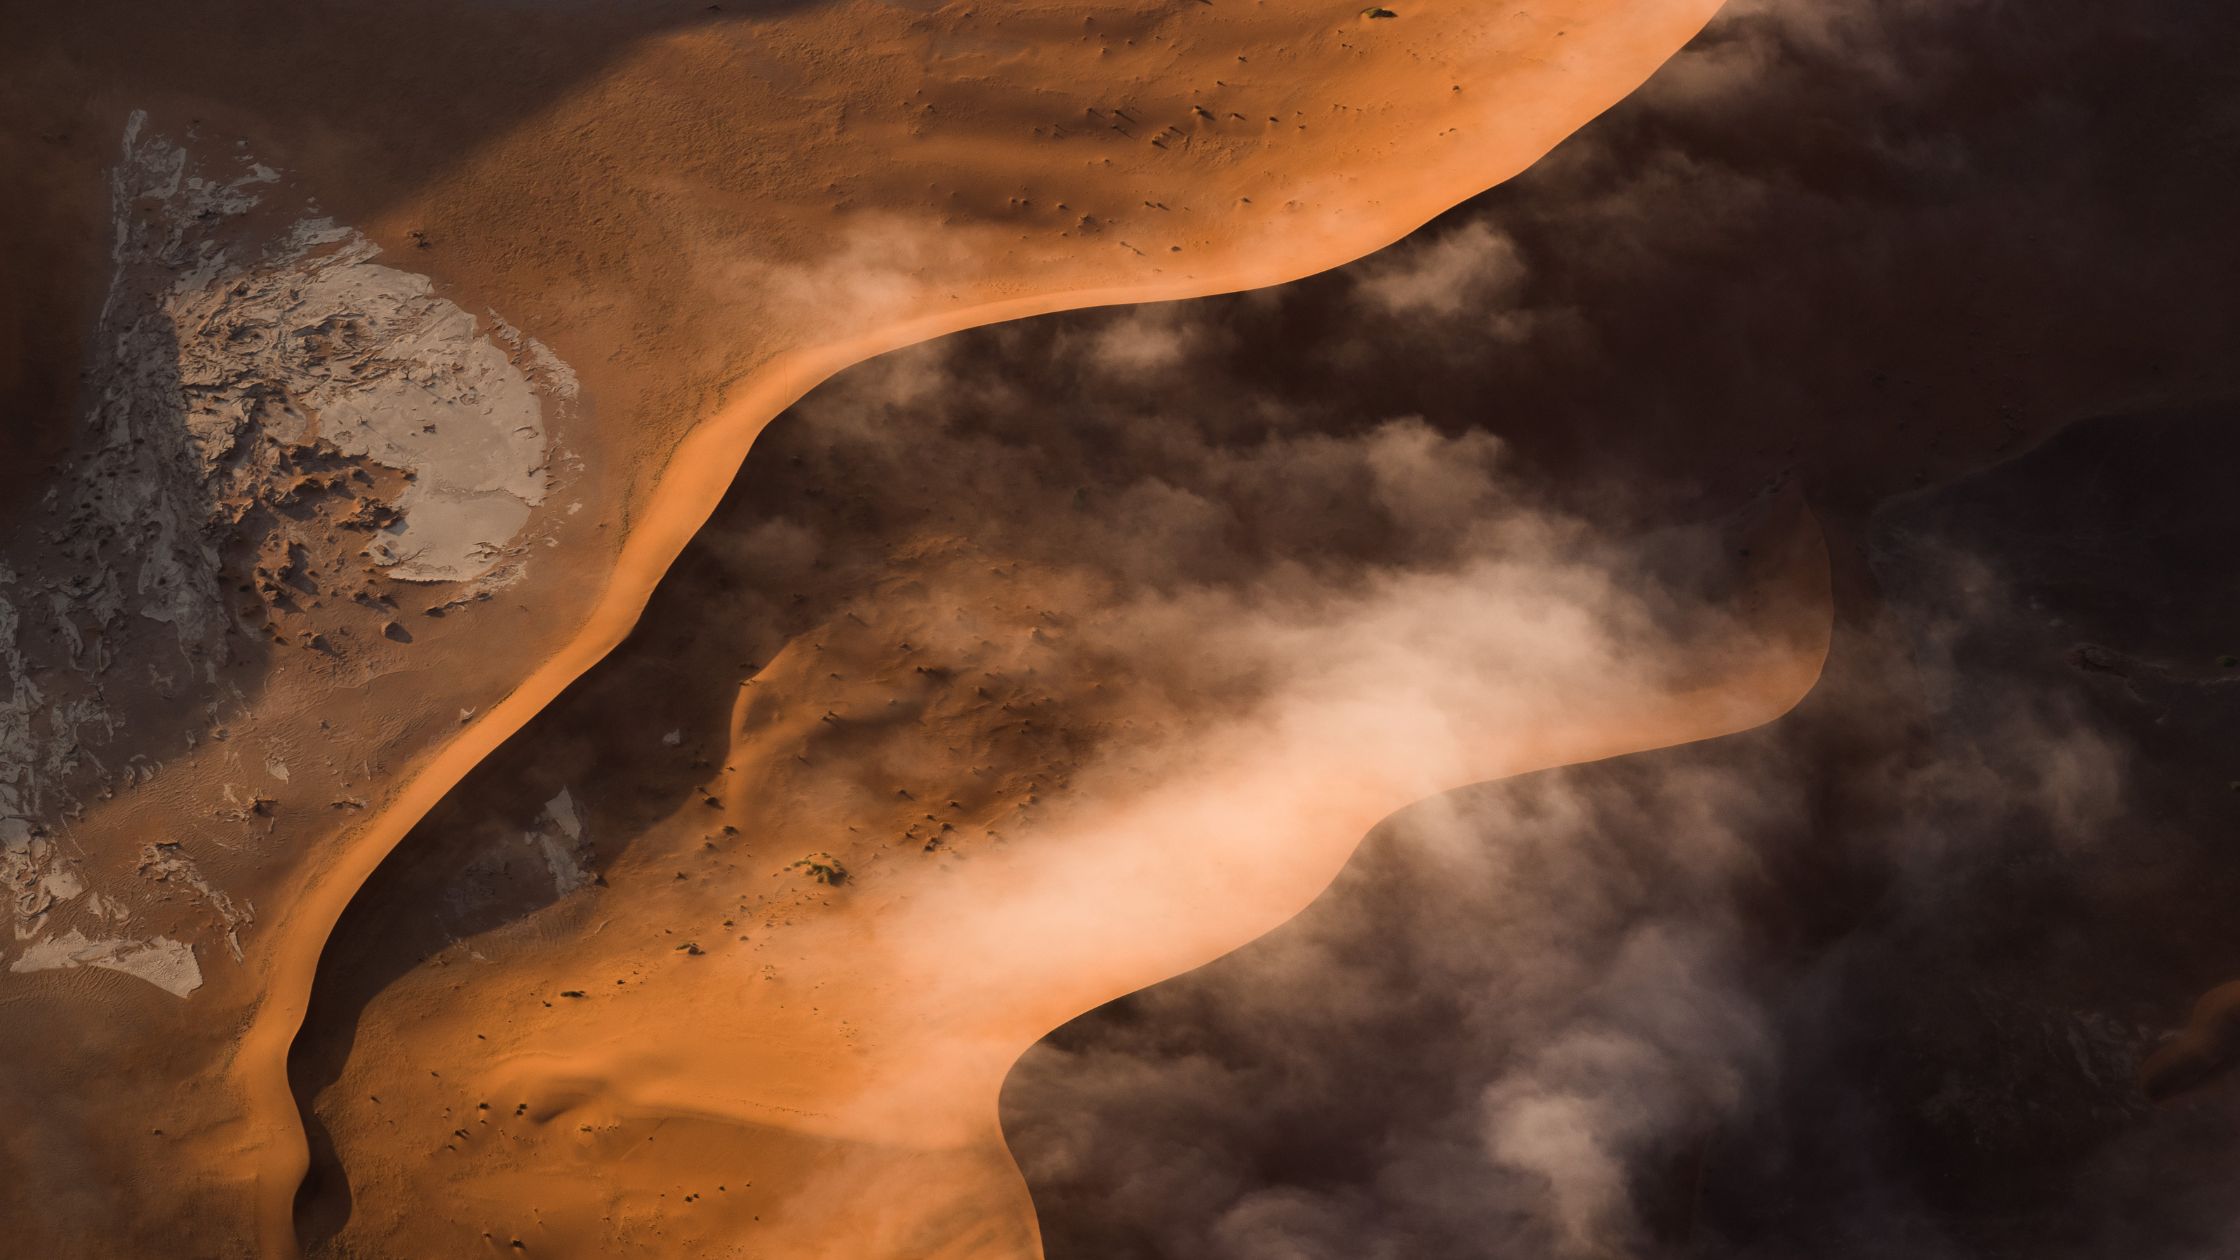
(1881, 978)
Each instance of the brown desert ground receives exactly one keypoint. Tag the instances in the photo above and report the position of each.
(1002, 728)
(1755, 578)
(362, 339)
(1813, 989)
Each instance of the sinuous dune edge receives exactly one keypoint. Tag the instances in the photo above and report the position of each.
(819, 986)
(696, 475)
(1118, 629)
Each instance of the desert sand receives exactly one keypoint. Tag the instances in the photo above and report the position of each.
(450, 806)
(1879, 978)
(644, 231)
(696, 969)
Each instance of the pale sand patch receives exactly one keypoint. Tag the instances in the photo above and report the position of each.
(165, 963)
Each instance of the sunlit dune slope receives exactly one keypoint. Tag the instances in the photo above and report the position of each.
(645, 229)
(939, 736)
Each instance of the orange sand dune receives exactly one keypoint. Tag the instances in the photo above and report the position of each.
(700, 216)
(988, 785)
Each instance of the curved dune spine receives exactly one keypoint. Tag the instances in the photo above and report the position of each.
(693, 481)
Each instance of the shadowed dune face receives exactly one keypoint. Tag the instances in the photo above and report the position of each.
(1010, 715)
(648, 226)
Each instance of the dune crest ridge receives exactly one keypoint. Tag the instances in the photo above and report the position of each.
(701, 217)
(867, 825)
